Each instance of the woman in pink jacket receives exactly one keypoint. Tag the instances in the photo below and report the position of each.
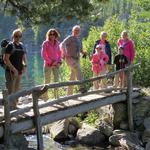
(51, 55)
(127, 45)
(99, 61)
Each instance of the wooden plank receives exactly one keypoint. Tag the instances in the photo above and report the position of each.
(129, 100)
(37, 122)
(71, 111)
(60, 100)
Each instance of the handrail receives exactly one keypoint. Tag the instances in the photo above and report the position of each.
(45, 87)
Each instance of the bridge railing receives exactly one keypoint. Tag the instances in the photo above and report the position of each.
(40, 89)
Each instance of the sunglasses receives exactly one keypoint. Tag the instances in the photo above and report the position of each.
(52, 34)
(17, 36)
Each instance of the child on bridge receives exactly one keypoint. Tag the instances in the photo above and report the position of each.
(120, 61)
(99, 61)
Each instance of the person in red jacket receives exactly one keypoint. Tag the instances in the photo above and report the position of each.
(128, 46)
(99, 61)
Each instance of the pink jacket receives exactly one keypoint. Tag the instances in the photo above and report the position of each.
(50, 53)
(128, 49)
(99, 62)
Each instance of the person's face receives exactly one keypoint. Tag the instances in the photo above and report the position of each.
(52, 35)
(103, 37)
(98, 49)
(76, 32)
(17, 37)
(124, 35)
(120, 51)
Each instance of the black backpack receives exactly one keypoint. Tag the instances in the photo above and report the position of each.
(4, 43)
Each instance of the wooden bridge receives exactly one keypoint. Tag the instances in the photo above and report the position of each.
(38, 113)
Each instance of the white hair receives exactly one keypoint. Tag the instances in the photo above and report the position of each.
(103, 33)
(76, 27)
(124, 32)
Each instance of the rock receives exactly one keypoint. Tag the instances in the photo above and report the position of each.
(106, 113)
(146, 136)
(127, 140)
(135, 101)
(19, 142)
(105, 128)
(120, 114)
(147, 123)
(1, 131)
(74, 125)
(59, 130)
(124, 125)
(72, 129)
(90, 135)
(148, 145)
(140, 111)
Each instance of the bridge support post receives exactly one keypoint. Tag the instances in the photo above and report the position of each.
(37, 121)
(129, 99)
(7, 130)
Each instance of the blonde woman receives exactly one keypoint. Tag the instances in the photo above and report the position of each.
(15, 64)
(51, 55)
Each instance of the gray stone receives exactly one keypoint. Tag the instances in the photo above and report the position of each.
(59, 130)
(148, 145)
(19, 142)
(127, 140)
(147, 123)
(146, 135)
(90, 135)
(124, 125)
(105, 128)
(74, 125)
(120, 114)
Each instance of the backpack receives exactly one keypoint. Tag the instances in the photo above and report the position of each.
(4, 43)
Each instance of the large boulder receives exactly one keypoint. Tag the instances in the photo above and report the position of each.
(120, 114)
(59, 130)
(63, 129)
(104, 127)
(148, 145)
(126, 139)
(90, 135)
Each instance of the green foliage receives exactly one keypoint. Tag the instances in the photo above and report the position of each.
(113, 27)
(91, 117)
(37, 12)
(138, 31)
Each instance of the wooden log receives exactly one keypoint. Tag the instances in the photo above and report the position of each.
(71, 111)
(129, 100)
(7, 130)
(37, 122)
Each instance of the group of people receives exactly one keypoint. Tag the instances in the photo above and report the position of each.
(69, 50)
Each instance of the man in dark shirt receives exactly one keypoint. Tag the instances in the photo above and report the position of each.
(120, 61)
(15, 63)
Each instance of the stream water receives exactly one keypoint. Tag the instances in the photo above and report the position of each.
(49, 144)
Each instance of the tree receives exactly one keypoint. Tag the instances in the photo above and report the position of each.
(48, 11)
